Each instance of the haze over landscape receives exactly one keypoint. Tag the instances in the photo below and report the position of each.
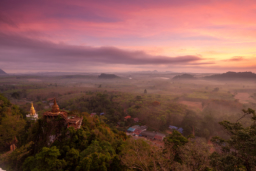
(117, 36)
(135, 85)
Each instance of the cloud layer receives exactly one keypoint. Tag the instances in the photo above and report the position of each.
(137, 33)
(31, 50)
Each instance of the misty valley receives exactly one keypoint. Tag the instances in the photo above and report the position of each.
(128, 121)
(127, 85)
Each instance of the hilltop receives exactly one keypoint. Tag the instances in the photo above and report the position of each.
(183, 76)
(2, 72)
(108, 76)
(232, 75)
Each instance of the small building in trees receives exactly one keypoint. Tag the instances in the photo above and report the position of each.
(32, 115)
(140, 130)
(152, 135)
(148, 134)
(132, 129)
(127, 117)
(176, 128)
(159, 136)
(74, 121)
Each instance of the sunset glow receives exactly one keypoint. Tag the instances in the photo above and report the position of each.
(134, 35)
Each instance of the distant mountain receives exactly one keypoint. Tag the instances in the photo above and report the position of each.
(108, 76)
(232, 76)
(183, 77)
(2, 72)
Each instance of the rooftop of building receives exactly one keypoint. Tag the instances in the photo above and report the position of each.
(73, 120)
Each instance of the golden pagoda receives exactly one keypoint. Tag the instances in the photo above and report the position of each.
(32, 115)
(55, 107)
(55, 112)
(32, 110)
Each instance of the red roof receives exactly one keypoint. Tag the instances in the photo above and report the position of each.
(137, 131)
(127, 117)
(159, 136)
(74, 122)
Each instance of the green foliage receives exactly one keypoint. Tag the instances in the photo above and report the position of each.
(11, 123)
(10, 128)
(175, 141)
(46, 160)
(72, 158)
(189, 123)
(15, 95)
(98, 147)
(14, 160)
(141, 155)
(239, 151)
(92, 147)
(101, 102)
(195, 155)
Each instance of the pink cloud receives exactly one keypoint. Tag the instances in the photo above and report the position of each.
(174, 24)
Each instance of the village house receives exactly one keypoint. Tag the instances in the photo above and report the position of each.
(153, 135)
(74, 121)
(148, 134)
(127, 117)
(159, 136)
(176, 128)
(140, 130)
(133, 128)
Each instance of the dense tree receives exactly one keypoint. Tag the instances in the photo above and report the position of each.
(10, 128)
(46, 160)
(189, 123)
(141, 155)
(15, 95)
(239, 151)
(174, 142)
(195, 155)
(11, 123)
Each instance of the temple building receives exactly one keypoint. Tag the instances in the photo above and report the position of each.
(55, 113)
(32, 115)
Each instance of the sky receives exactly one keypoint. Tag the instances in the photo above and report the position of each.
(200, 36)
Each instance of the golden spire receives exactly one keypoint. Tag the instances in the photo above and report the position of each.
(55, 107)
(32, 109)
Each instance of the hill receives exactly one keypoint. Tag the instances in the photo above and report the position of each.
(183, 77)
(107, 76)
(232, 76)
(2, 72)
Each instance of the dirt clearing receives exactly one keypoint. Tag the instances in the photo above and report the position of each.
(193, 105)
(244, 98)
